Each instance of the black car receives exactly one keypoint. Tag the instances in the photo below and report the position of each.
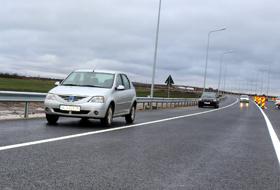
(209, 99)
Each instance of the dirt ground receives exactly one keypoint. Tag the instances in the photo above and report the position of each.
(10, 110)
(15, 110)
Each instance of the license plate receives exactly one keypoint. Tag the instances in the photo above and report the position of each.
(70, 108)
(207, 103)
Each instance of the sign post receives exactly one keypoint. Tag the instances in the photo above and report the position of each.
(169, 81)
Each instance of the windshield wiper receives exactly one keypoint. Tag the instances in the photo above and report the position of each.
(92, 86)
(69, 85)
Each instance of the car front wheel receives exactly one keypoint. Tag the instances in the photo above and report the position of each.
(131, 116)
(107, 121)
(52, 119)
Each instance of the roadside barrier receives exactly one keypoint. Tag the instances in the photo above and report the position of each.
(261, 101)
(148, 103)
(256, 99)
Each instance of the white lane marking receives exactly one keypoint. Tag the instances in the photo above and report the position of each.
(107, 130)
(273, 136)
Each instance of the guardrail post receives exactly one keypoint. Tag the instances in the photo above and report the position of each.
(26, 109)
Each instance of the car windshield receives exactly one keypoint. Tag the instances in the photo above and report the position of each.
(244, 96)
(208, 95)
(89, 79)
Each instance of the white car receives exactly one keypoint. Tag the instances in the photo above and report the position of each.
(277, 102)
(244, 99)
(96, 94)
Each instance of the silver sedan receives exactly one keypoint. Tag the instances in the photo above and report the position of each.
(92, 94)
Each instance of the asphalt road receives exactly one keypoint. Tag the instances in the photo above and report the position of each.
(228, 148)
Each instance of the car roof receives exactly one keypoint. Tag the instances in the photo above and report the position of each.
(100, 71)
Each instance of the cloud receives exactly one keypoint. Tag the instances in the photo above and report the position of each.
(51, 38)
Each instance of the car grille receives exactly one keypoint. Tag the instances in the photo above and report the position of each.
(73, 112)
(207, 100)
(72, 98)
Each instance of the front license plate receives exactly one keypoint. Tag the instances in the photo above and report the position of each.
(207, 103)
(70, 108)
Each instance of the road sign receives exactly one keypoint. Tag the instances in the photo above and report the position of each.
(169, 81)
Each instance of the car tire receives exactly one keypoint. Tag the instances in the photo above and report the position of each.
(52, 119)
(217, 106)
(200, 105)
(131, 116)
(107, 121)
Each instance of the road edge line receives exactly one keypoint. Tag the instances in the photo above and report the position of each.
(272, 133)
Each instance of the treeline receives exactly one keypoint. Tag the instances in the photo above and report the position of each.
(18, 76)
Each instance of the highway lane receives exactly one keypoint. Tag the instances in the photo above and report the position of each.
(20, 131)
(226, 149)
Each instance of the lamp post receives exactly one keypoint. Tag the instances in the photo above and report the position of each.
(268, 79)
(155, 53)
(207, 52)
(221, 66)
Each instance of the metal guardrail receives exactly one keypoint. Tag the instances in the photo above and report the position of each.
(155, 103)
(148, 103)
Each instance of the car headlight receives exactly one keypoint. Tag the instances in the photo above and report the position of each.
(199, 99)
(50, 97)
(97, 99)
(215, 100)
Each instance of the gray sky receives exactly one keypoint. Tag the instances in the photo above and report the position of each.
(51, 38)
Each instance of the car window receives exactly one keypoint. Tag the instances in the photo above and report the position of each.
(119, 81)
(208, 95)
(126, 82)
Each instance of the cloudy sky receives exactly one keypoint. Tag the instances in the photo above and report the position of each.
(53, 37)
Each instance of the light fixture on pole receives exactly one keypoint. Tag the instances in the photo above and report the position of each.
(221, 66)
(155, 53)
(207, 52)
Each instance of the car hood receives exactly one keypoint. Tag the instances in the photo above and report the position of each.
(79, 91)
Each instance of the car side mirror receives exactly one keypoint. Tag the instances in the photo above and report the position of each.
(57, 83)
(120, 87)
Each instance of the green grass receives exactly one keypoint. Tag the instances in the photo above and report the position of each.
(141, 92)
(28, 85)
(37, 85)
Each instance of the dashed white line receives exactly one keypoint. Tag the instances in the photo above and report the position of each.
(273, 135)
(106, 130)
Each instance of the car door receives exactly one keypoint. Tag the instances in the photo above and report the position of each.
(129, 93)
(120, 97)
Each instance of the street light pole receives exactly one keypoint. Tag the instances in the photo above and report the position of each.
(268, 80)
(221, 66)
(156, 49)
(207, 52)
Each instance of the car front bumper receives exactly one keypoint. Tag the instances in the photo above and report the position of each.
(244, 101)
(87, 110)
(208, 103)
